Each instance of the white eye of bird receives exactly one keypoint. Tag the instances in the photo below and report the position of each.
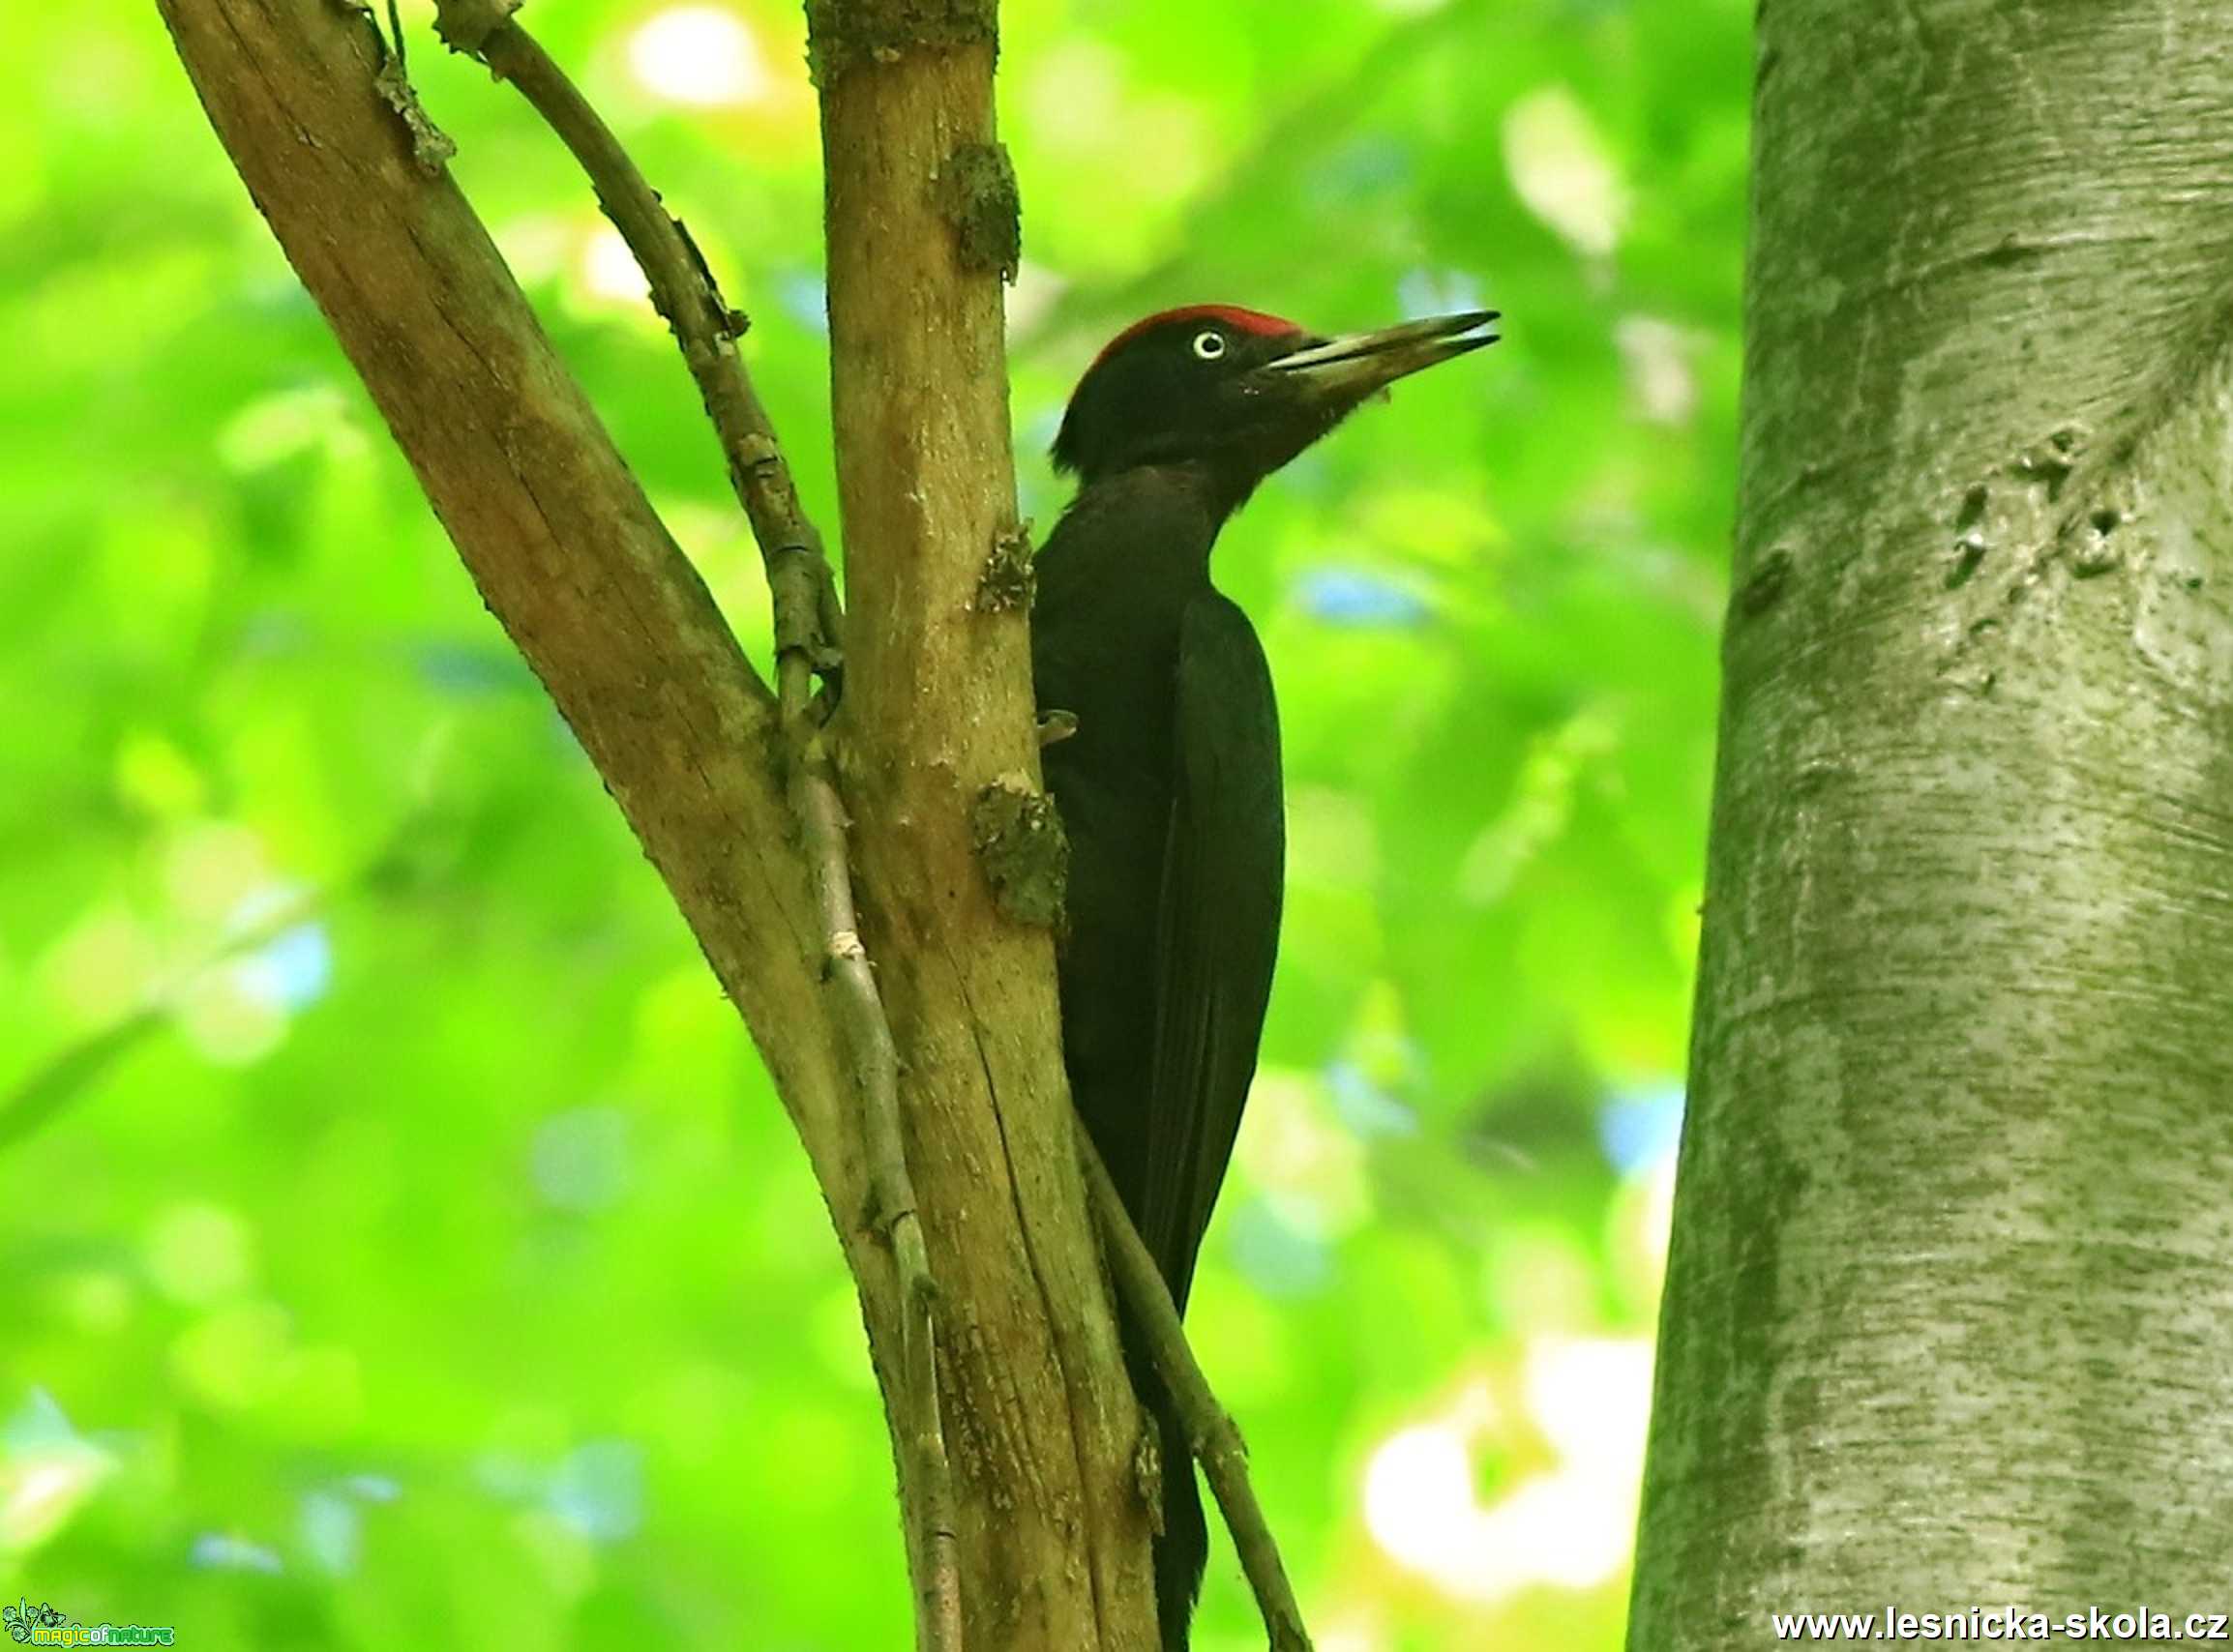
(1209, 344)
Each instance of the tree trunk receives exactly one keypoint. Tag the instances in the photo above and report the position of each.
(939, 708)
(1039, 1422)
(1948, 1320)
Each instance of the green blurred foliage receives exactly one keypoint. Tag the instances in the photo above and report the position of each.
(407, 1248)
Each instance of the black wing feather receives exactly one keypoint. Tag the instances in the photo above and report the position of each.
(1218, 931)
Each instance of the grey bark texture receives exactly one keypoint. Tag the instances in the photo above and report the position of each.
(1949, 1307)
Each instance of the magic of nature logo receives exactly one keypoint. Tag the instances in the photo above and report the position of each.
(44, 1625)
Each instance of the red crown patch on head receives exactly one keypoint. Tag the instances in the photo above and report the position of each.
(1231, 315)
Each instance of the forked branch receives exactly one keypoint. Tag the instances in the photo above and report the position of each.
(705, 329)
(806, 629)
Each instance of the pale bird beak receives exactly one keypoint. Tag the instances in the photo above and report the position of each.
(1356, 365)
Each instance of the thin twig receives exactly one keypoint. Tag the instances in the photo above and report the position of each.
(45, 1093)
(846, 965)
(807, 632)
(1210, 1433)
(707, 330)
(396, 35)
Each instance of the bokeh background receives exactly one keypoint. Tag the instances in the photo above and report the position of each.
(405, 1248)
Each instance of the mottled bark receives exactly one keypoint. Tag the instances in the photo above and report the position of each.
(1950, 1306)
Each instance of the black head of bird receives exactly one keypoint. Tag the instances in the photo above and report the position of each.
(1238, 391)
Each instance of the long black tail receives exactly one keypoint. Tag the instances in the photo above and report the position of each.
(1182, 1547)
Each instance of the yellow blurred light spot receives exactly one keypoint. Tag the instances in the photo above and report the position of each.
(154, 776)
(228, 1019)
(1075, 96)
(95, 1301)
(42, 1486)
(277, 759)
(1300, 1157)
(95, 74)
(1331, 837)
(1078, 106)
(1637, 1220)
(321, 1394)
(609, 270)
(1656, 1222)
(103, 967)
(1031, 295)
(706, 56)
(1418, 1497)
(1657, 357)
(565, 1556)
(210, 869)
(1538, 1279)
(1380, 1044)
(1439, 525)
(1567, 1528)
(1353, 1634)
(277, 427)
(154, 563)
(1170, 142)
(1244, 1340)
(536, 245)
(1561, 171)
(721, 546)
(1553, 1531)
(692, 1409)
(1592, 1398)
(199, 1253)
(234, 1359)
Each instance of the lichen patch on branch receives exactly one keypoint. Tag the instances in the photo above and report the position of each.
(1021, 844)
(466, 25)
(432, 148)
(840, 37)
(979, 183)
(1007, 582)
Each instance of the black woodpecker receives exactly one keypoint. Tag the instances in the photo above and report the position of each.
(1168, 785)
